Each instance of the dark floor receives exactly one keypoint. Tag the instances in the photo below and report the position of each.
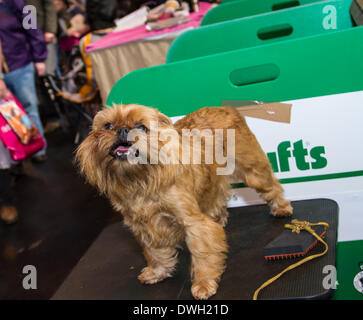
(60, 216)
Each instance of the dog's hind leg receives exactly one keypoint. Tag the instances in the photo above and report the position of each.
(254, 168)
(262, 179)
(271, 191)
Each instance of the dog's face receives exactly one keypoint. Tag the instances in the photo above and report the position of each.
(120, 134)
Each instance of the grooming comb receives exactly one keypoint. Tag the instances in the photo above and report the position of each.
(292, 243)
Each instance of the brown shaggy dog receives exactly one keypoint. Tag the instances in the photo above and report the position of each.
(166, 204)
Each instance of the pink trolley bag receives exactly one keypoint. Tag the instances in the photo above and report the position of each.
(18, 133)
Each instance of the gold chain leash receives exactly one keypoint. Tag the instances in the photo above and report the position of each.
(296, 226)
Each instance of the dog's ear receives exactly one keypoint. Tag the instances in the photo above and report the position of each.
(164, 120)
(85, 159)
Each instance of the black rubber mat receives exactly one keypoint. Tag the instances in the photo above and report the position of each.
(110, 267)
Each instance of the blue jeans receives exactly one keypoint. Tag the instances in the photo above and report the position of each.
(22, 84)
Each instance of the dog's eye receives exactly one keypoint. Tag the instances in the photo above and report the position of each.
(141, 127)
(109, 126)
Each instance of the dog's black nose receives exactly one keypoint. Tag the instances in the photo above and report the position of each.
(122, 133)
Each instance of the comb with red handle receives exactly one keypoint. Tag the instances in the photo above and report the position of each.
(292, 244)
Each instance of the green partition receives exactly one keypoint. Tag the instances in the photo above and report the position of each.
(257, 30)
(293, 69)
(245, 8)
(305, 67)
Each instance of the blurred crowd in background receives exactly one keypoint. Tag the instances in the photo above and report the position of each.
(46, 70)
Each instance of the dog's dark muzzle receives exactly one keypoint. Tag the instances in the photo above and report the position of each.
(122, 134)
(122, 147)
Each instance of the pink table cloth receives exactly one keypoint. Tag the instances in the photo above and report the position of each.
(117, 38)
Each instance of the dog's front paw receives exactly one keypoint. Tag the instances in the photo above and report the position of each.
(204, 289)
(153, 275)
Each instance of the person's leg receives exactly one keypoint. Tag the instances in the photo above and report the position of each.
(22, 84)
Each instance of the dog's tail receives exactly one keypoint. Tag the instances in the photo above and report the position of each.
(253, 168)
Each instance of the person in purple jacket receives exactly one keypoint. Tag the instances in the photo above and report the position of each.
(24, 49)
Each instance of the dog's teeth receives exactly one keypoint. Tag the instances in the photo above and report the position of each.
(120, 153)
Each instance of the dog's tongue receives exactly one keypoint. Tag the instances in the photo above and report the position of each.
(121, 150)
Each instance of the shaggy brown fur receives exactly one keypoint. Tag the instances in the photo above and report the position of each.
(166, 204)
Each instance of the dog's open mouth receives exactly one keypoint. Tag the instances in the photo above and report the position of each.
(123, 151)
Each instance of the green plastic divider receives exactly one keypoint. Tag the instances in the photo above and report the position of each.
(294, 69)
(261, 29)
(349, 259)
(245, 8)
(312, 66)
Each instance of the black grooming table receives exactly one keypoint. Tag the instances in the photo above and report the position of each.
(110, 267)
